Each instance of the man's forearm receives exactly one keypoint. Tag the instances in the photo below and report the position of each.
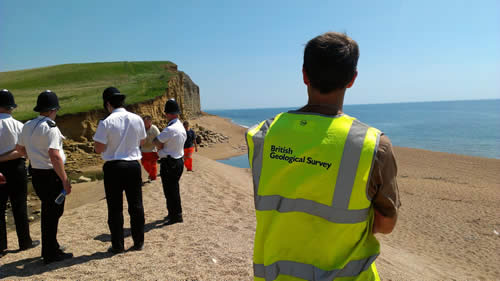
(158, 143)
(11, 155)
(58, 166)
(383, 224)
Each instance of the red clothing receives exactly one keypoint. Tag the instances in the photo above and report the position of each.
(188, 158)
(149, 163)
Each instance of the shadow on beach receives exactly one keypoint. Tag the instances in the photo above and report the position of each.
(34, 266)
(106, 237)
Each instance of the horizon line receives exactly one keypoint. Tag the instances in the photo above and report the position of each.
(401, 102)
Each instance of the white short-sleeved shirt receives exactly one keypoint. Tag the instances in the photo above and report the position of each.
(38, 136)
(121, 132)
(173, 138)
(10, 129)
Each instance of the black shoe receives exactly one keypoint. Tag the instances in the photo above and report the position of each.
(33, 244)
(171, 220)
(115, 250)
(137, 247)
(58, 257)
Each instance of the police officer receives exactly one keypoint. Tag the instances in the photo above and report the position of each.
(42, 142)
(324, 182)
(13, 166)
(170, 143)
(118, 138)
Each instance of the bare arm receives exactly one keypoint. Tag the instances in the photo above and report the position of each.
(58, 165)
(158, 143)
(99, 147)
(142, 142)
(11, 155)
(382, 224)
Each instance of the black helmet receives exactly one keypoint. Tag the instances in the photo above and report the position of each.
(172, 107)
(110, 93)
(47, 100)
(7, 99)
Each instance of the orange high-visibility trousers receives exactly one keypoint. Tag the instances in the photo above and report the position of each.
(188, 158)
(149, 163)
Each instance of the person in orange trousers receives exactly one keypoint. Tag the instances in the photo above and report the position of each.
(190, 146)
(148, 150)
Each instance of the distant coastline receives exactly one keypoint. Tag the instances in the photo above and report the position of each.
(457, 127)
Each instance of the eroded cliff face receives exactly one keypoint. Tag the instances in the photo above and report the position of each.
(82, 126)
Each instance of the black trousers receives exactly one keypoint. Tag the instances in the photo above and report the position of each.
(16, 190)
(125, 176)
(48, 186)
(171, 172)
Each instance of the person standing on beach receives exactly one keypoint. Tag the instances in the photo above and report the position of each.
(170, 143)
(149, 150)
(118, 138)
(190, 146)
(324, 182)
(13, 166)
(42, 141)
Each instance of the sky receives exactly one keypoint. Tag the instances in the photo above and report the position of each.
(249, 54)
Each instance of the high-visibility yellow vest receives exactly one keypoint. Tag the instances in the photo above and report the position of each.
(314, 216)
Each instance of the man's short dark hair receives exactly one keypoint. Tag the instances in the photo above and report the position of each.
(147, 117)
(330, 61)
(117, 102)
(185, 123)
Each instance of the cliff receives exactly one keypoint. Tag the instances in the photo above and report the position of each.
(80, 127)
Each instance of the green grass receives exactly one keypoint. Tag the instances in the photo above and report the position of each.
(80, 86)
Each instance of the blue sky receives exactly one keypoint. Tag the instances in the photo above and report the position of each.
(248, 54)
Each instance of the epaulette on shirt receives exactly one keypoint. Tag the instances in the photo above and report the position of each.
(51, 123)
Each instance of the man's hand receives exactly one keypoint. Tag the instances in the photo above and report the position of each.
(67, 186)
(3, 180)
(158, 143)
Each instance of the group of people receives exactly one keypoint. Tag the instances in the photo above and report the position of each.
(316, 219)
(122, 138)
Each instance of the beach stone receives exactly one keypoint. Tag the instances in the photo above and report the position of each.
(36, 212)
(31, 218)
(84, 179)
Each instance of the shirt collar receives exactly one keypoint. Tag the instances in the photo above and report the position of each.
(120, 109)
(172, 121)
(4, 115)
(41, 117)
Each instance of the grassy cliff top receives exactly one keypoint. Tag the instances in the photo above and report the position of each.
(80, 86)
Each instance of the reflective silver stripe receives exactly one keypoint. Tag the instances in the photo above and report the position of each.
(335, 215)
(310, 272)
(258, 151)
(349, 164)
(371, 167)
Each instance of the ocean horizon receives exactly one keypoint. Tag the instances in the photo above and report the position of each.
(465, 127)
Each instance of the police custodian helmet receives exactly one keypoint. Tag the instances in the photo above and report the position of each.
(7, 99)
(172, 107)
(47, 100)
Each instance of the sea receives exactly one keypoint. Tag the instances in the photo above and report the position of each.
(469, 127)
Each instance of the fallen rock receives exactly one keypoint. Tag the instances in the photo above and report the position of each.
(84, 179)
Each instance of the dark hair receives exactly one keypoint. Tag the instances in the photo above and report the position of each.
(185, 123)
(330, 61)
(147, 117)
(117, 101)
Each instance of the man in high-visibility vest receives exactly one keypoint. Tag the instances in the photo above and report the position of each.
(324, 183)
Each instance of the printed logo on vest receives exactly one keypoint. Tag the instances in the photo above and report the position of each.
(286, 154)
